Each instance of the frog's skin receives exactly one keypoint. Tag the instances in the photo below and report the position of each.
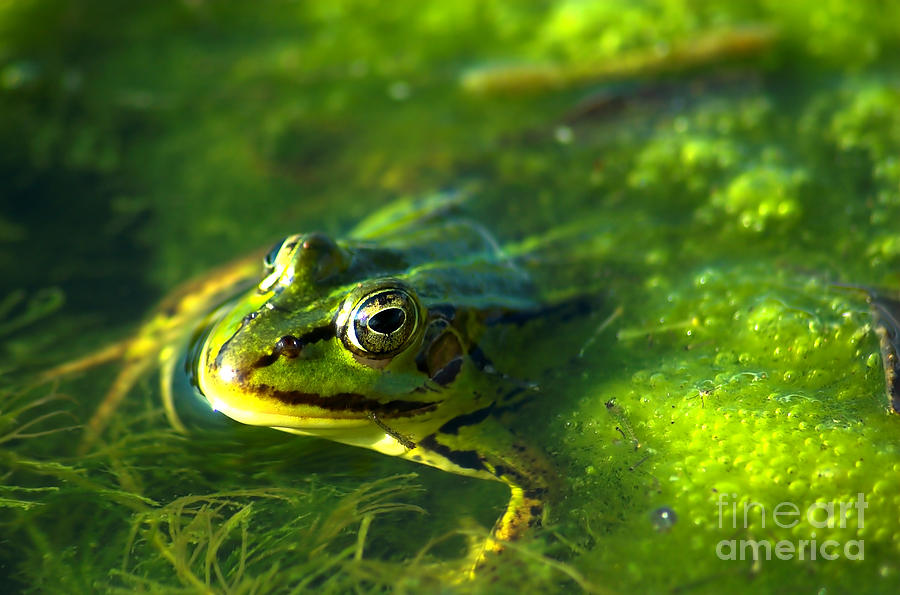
(371, 341)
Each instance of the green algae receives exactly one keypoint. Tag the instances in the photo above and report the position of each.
(724, 204)
(759, 417)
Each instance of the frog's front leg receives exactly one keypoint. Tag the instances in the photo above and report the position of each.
(479, 445)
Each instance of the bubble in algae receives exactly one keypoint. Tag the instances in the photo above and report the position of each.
(663, 518)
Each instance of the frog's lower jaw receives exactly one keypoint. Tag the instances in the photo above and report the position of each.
(366, 435)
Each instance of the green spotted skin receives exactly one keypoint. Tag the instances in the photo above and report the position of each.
(373, 341)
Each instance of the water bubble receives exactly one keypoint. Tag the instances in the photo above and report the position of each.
(663, 518)
(399, 91)
(18, 75)
(563, 135)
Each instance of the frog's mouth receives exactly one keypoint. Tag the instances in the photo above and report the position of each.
(301, 411)
(349, 403)
(361, 429)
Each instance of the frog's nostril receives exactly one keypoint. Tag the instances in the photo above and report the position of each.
(289, 346)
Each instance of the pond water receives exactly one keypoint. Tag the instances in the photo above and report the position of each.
(719, 183)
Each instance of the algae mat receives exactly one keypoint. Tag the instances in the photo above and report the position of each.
(725, 177)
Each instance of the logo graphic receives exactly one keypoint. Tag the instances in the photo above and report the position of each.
(787, 515)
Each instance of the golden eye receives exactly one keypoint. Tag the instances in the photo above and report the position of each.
(381, 323)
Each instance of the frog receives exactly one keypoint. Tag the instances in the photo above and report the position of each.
(371, 341)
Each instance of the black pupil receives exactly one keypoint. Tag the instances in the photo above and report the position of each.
(387, 321)
(269, 260)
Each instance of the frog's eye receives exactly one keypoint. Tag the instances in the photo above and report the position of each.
(381, 323)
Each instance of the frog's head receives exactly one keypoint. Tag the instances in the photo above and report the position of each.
(328, 338)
